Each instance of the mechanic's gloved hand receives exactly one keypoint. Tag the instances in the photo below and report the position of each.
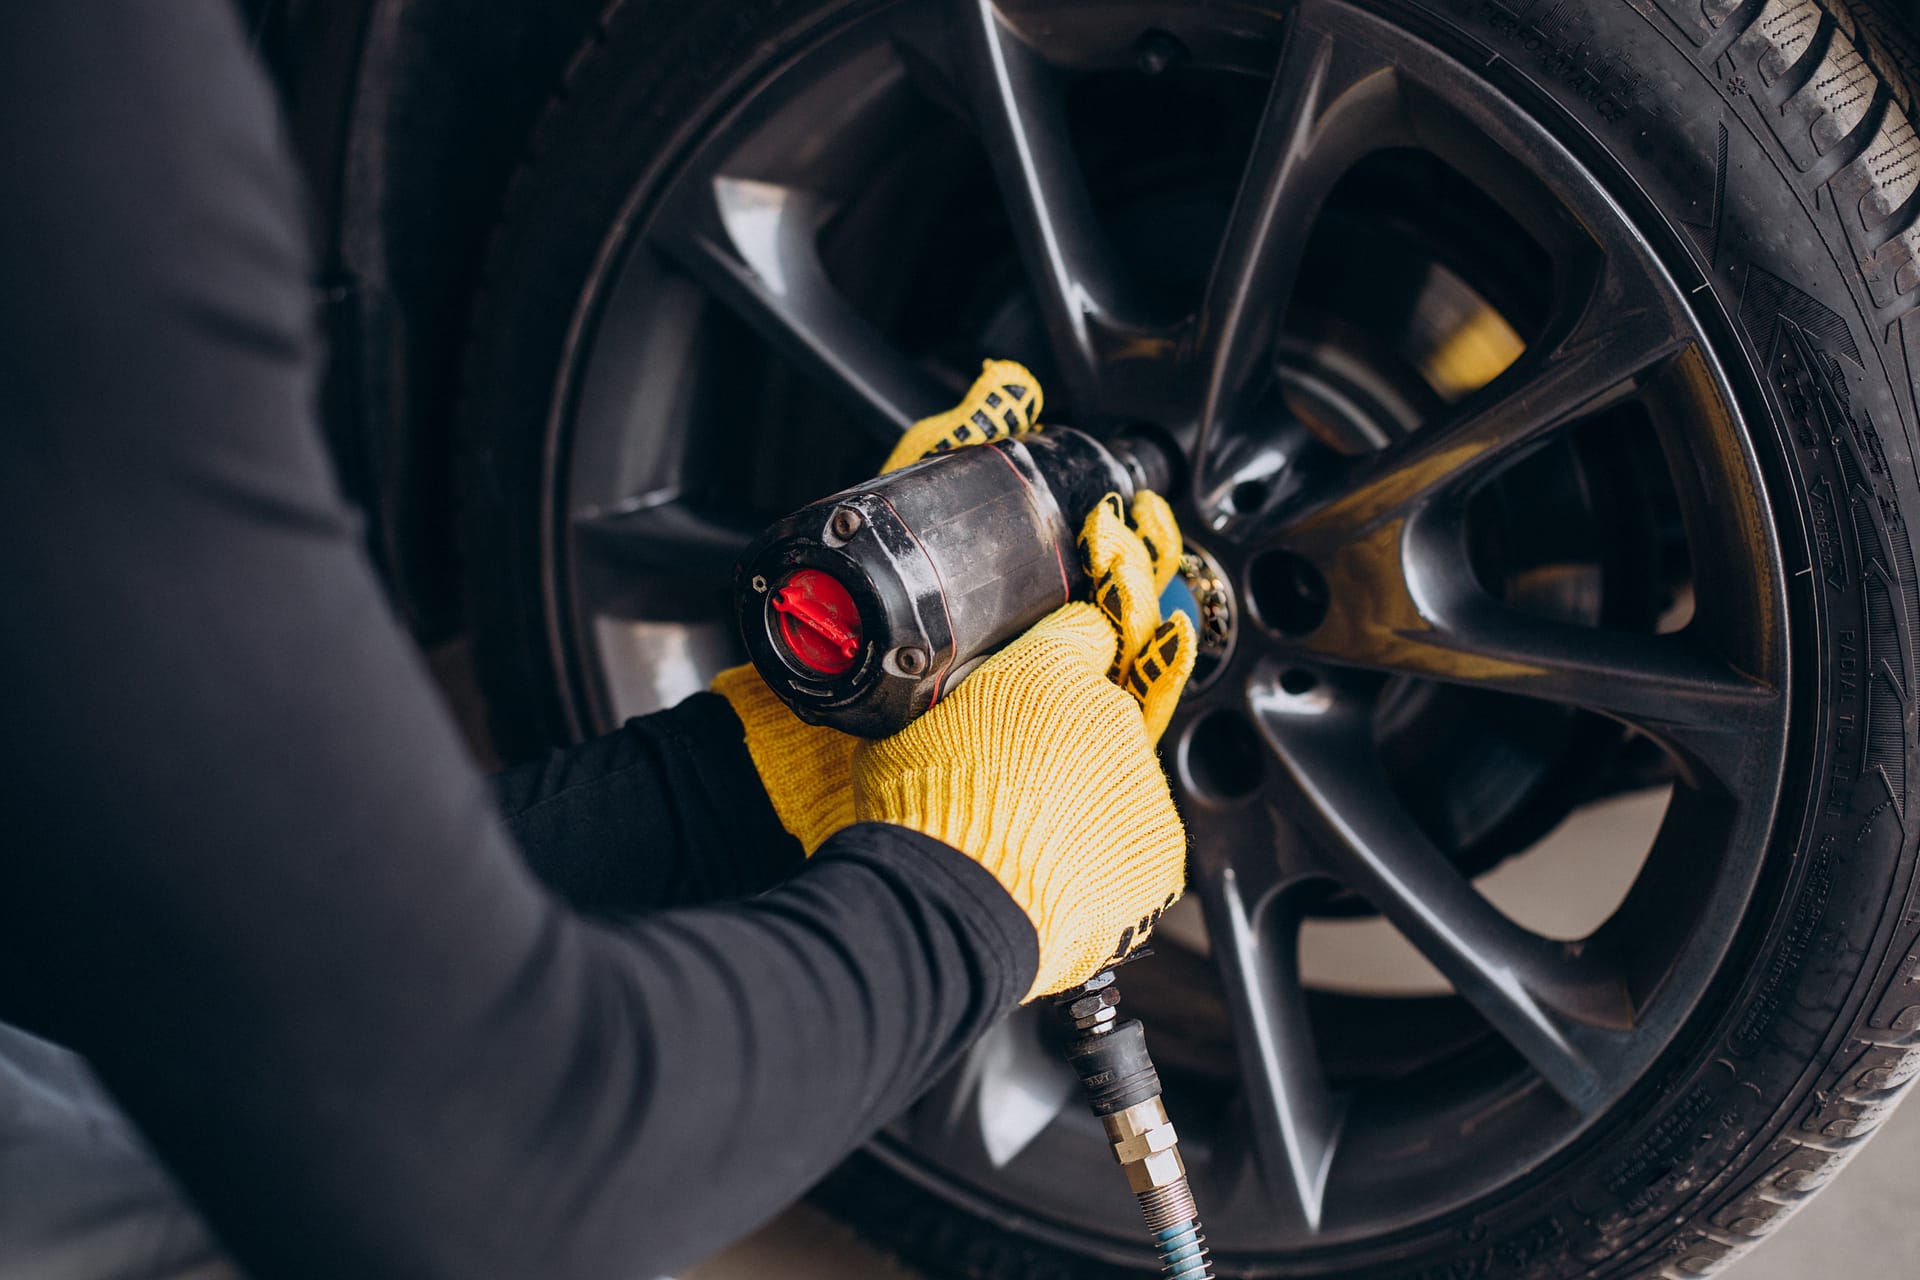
(805, 767)
(1131, 557)
(1040, 765)
(1005, 400)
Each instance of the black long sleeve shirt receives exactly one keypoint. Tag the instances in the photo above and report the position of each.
(249, 869)
(678, 787)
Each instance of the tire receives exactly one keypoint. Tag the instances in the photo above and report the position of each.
(1771, 143)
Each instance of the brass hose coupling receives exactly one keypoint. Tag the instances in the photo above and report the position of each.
(1146, 1146)
(1122, 1087)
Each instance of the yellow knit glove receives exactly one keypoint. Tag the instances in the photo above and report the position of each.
(1005, 400)
(805, 767)
(1131, 557)
(1041, 768)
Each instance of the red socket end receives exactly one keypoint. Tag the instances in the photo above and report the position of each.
(818, 622)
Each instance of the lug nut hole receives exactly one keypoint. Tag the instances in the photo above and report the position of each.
(1221, 757)
(1298, 681)
(1248, 497)
(1288, 593)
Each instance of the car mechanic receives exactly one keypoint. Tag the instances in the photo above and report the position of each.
(379, 1015)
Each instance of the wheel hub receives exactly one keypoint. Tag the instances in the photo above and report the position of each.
(1204, 586)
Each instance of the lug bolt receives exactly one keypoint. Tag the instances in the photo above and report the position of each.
(759, 584)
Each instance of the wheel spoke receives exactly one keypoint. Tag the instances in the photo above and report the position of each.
(1017, 104)
(753, 245)
(1560, 1006)
(661, 560)
(668, 535)
(1602, 357)
(1293, 1118)
(1672, 687)
(1387, 533)
(1333, 102)
(1245, 859)
(1000, 1097)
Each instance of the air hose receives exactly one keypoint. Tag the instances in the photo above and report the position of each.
(1123, 1089)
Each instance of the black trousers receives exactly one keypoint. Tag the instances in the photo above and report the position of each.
(378, 1016)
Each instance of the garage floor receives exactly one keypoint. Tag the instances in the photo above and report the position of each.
(1867, 1223)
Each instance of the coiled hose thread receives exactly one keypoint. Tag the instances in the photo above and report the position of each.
(1110, 1057)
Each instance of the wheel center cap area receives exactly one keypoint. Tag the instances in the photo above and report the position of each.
(1202, 591)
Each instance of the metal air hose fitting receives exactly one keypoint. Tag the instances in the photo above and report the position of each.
(1122, 1087)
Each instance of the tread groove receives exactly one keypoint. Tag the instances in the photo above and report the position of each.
(1805, 67)
(1738, 23)
(1897, 224)
(1850, 148)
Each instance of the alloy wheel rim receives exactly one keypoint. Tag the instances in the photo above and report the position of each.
(1290, 1160)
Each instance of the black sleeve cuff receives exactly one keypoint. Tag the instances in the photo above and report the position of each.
(970, 900)
(665, 811)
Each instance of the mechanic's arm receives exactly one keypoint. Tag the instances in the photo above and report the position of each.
(729, 790)
(665, 811)
(727, 793)
(249, 871)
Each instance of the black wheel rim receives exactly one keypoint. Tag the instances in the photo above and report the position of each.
(1350, 541)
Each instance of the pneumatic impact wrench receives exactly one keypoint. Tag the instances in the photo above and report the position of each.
(862, 610)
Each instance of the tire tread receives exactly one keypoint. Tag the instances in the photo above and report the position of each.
(1824, 65)
(1877, 189)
